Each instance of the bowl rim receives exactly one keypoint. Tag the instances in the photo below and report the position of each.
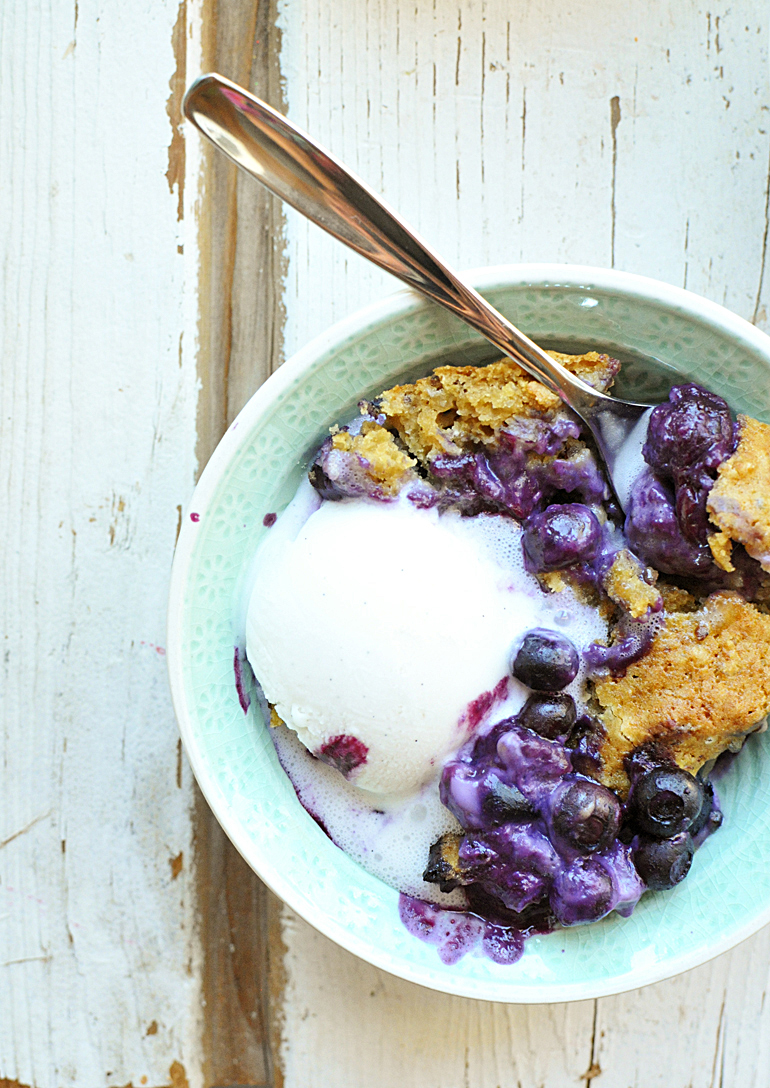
(401, 303)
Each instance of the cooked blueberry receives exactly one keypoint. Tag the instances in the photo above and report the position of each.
(325, 487)
(546, 661)
(585, 816)
(504, 803)
(662, 863)
(710, 815)
(551, 715)
(665, 801)
(560, 536)
(654, 533)
(695, 428)
(582, 893)
(647, 757)
(687, 440)
(585, 746)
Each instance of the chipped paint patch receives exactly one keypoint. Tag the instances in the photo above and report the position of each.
(176, 149)
(178, 1076)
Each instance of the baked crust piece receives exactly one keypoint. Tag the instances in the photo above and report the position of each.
(739, 501)
(625, 584)
(722, 549)
(386, 463)
(703, 686)
(460, 406)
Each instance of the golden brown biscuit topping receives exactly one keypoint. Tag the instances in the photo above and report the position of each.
(739, 502)
(704, 685)
(387, 464)
(456, 407)
(625, 584)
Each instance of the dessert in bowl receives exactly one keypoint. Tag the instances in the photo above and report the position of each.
(254, 475)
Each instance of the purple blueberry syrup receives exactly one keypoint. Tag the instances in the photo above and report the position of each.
(239, 663)
(632, 642)
(455, 933)
(344, 753)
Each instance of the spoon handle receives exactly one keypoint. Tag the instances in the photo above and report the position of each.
(285, 159)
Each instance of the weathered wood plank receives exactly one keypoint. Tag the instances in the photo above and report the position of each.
(98, 953)
(239, 344)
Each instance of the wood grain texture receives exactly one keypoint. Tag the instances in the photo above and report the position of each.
(491, 127)
(240, 321)
(631, 135)
(241, 227)
(98, 952)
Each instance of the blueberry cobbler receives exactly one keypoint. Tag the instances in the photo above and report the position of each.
(504, 696)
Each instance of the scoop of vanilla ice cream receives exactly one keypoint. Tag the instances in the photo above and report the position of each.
(382, 622)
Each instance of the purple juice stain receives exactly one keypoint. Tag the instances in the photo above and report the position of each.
(454, 933)
(239, 661)
(479, 708)
(344, 753)
(269, 520)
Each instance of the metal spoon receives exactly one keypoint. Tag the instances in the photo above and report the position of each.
(281, 156)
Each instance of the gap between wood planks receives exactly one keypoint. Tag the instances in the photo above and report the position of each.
(241, 244)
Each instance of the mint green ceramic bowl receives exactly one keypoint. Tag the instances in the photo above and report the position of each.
(662, 333)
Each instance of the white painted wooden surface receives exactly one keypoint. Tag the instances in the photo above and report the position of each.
(635, 135)
(98, 952)
(632, 134)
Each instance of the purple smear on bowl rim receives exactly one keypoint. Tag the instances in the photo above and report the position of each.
(239, 661)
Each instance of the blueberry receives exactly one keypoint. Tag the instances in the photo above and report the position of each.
(546, 661)
(695, 428)
(582, 893)
(648, 757)
(665, 801)
(710, 815)
(560, 536)
(584, 816)
(549, 715)
(654, 533)
(687, 440)
(662, 863)
(325, 486)
(504, 803)
(585, 744)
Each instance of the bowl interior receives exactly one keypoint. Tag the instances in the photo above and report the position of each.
(662, 334)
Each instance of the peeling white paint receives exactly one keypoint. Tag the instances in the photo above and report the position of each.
(98, 436)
